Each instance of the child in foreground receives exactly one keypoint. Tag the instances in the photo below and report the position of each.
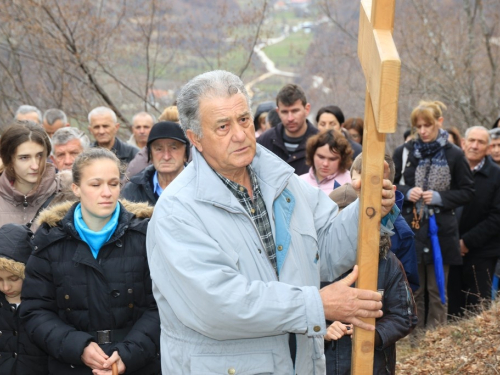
(398, 306)
(18, 354)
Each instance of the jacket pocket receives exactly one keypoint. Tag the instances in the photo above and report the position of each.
(240, 364)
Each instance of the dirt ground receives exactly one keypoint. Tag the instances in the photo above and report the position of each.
(468, 346)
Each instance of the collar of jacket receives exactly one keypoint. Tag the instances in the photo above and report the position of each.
(47, 187)
(272, 173)
(487, 166)
(57, 222)
(278, 136)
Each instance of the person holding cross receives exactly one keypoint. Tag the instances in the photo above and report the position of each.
(238, 245)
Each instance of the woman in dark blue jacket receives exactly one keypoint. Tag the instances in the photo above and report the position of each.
(87, 298)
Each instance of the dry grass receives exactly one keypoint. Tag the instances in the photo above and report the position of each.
(468, 346)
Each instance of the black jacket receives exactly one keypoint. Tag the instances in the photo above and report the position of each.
(123, 151)
(140, 187)
(18, 354)
(460, 193)
(480, 222)
(68, 295)
(272, 139)
(399, 319)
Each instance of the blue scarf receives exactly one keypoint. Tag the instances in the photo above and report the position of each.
(433, 172)
(95, 240)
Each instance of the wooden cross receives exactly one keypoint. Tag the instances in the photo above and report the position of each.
(381, 67)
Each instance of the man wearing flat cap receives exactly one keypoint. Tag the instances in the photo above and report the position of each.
(168, 151)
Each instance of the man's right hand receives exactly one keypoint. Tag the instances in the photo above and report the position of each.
(343, 303)
(93, 356)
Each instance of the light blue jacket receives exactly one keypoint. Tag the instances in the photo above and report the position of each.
(222, 308)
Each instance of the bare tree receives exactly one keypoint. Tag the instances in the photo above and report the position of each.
(126, 55)
(447, 51)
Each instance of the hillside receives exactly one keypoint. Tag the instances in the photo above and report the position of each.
(469, 346)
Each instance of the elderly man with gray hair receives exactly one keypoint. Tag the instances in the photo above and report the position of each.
(238, 245)
(54, 119)
(28, 113)
(67, 144)
(103, 125)
(479, 228)
(142, 123)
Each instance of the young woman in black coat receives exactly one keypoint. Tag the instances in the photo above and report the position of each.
(432, 174)
(87, 298)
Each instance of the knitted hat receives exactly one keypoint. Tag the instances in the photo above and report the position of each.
(343, 195)
(16, 242)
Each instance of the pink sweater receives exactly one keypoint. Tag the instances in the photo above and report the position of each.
(327, 184)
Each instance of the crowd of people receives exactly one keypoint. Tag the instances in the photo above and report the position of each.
(217, 241)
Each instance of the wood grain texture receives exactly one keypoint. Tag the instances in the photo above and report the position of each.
(382, 70)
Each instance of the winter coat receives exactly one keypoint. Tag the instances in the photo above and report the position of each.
(327, 184)
(68, 295)
(222, 307)
(480, 222)
(140, 187)
(18, 354)
(123, 151)
(17, 208)
(460, 193)
(399, 319)
(272, 139)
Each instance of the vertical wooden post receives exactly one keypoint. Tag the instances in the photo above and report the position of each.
(381, 67)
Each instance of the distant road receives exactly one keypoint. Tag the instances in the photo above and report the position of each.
(271, 66)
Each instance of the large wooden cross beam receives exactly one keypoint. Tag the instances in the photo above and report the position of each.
(381, 67)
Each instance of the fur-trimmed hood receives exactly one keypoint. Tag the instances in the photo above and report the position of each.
(52, 215)
(56, 222)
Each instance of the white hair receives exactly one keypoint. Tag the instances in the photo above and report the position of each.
(102, 111)
(64, 135)
(25, 109)
(479, 127)
(217, 84)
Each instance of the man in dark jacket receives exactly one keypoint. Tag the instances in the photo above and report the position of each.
(168, 149)
(288, 139)
(103, 125)
(479, 227)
